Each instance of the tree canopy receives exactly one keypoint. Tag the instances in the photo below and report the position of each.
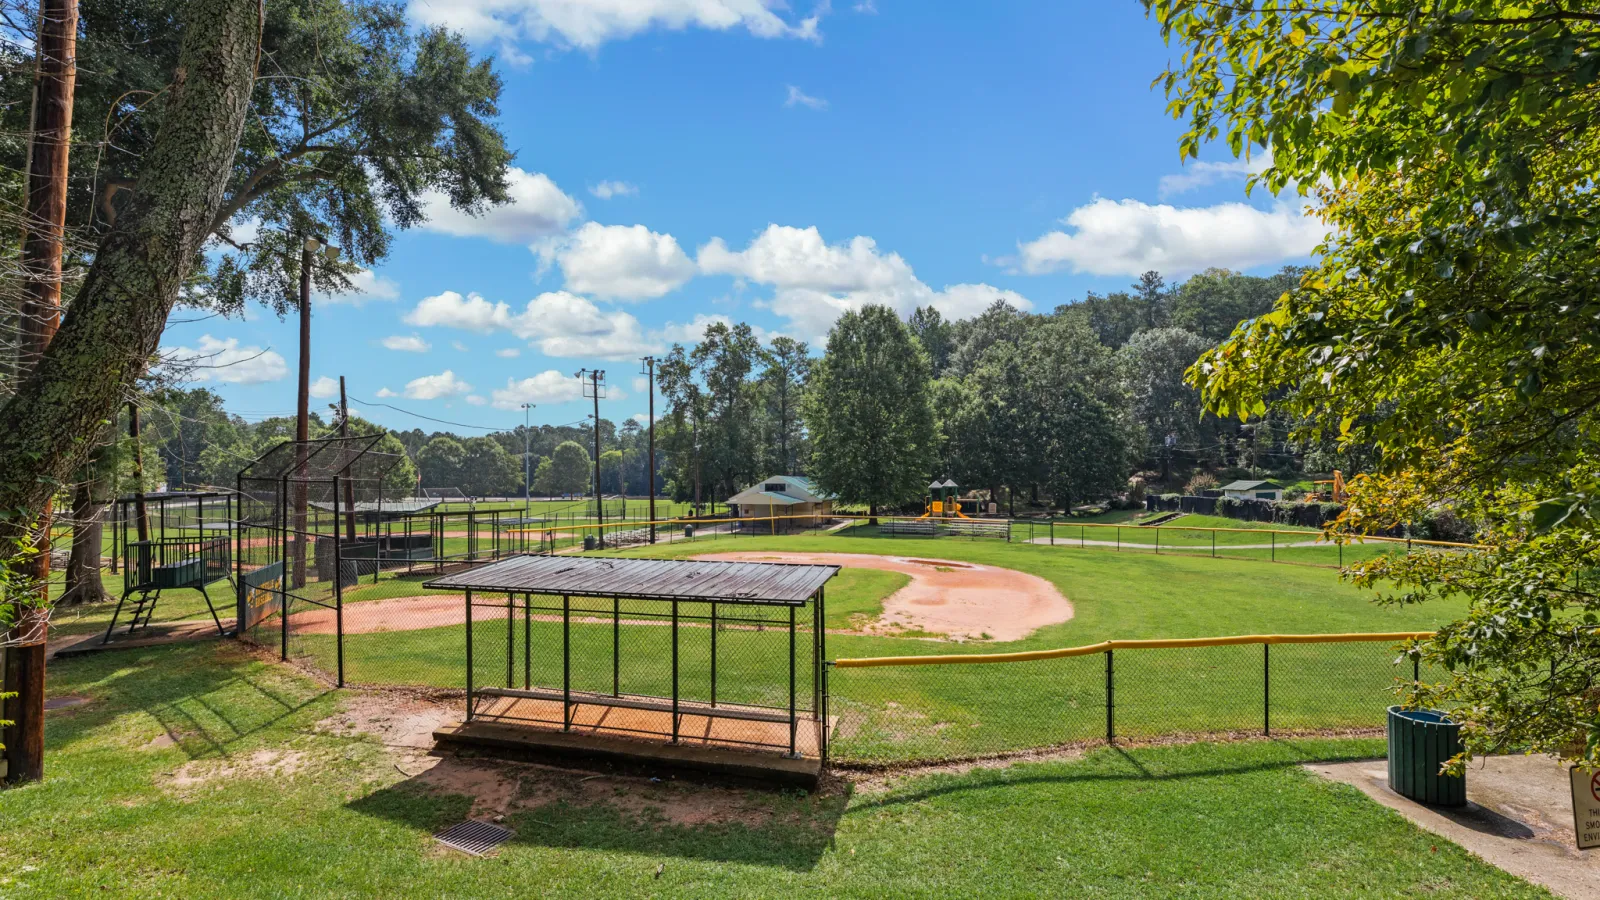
(1449, 322)
(872, 429)
(356, 118)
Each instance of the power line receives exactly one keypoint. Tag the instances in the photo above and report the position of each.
(429, 418)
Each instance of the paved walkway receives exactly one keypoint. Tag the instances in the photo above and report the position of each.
(1518, 817)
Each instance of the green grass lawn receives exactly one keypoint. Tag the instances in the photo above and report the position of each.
(905, 713)
(276, 806)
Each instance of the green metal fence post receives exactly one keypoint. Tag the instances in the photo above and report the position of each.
(1111, 730)
(1266, 689)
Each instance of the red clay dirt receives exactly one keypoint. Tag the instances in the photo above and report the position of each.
(963, 601)
(958, 599)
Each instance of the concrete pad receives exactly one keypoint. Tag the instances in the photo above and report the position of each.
(1518, 817)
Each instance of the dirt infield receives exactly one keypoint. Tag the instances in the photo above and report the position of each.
(962, 601)
(957, 599)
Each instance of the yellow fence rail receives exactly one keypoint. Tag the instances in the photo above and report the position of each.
(1105, 646)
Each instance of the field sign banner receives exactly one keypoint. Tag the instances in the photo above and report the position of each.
(263, 594)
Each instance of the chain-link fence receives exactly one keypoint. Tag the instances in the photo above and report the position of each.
(721, 673)
(908, 710)
(1295, 547)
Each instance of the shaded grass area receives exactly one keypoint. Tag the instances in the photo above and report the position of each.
(1202, 820)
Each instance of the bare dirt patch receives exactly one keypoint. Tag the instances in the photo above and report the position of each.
(962, 600)
(203, 772)
(397, 721)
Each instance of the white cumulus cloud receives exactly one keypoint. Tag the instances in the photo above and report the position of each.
(451, 310)
(548, 386)
(536, 209)
(365, 285)
(605, 190)
(407, 343)
(433, 387)
(558, 323)
(815, 282)
(324, 387)
(476, 400)
(619, 261)
(586, 24)
(508, 353)
(224, 360)
(385, 392)
(1127, 237)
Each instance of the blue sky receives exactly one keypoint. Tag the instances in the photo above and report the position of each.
(683, 160)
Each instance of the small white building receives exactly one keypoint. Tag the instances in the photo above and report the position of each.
(1253, 490)
(781, 495)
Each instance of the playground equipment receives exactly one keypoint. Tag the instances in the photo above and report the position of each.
(1336, 492)
(943, 502)
(185, 544)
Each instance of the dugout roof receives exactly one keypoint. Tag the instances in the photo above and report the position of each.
(765, 583)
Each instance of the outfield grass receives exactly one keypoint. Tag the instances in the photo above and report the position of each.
(276, 806)
(904, 713)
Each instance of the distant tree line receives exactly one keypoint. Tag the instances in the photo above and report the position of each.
(1058, 408)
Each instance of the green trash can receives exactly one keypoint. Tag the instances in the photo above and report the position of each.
(1420, 741)
(588, 542)
(688, 531)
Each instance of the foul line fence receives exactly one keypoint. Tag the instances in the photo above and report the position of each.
(1267, 544)
(899, 709)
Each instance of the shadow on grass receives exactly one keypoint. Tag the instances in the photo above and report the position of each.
(565, 809)
(1113, 764)
(206, 697)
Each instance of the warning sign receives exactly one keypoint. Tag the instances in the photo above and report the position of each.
(1586, 807)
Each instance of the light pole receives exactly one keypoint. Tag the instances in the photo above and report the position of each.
(527, 476)
(650, 465)
(595, 386)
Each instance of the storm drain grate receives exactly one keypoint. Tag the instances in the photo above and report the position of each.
(476, 838)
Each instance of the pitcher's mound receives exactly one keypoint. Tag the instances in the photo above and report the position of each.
(962, 600)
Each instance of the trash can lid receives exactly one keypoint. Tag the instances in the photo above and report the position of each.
(1429, 716)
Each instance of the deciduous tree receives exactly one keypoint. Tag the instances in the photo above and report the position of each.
(872, 428)
(1449, 321)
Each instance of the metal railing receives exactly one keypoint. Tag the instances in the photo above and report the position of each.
(925, 708)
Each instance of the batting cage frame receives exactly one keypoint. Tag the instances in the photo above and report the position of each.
(310, 524)
(711, 654)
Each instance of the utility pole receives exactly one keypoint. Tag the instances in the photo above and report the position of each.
(302, 421)
(527, 457)
(349, 485)
(650, 463)
(45, 218)
(302, 416)
(595, 387)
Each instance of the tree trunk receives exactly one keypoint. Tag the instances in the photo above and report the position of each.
(116, 319)
(44, 221)
(88, 518)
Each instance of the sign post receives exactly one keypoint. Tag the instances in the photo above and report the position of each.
(1586, 807)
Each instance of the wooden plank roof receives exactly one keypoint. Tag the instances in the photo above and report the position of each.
(783, 584)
